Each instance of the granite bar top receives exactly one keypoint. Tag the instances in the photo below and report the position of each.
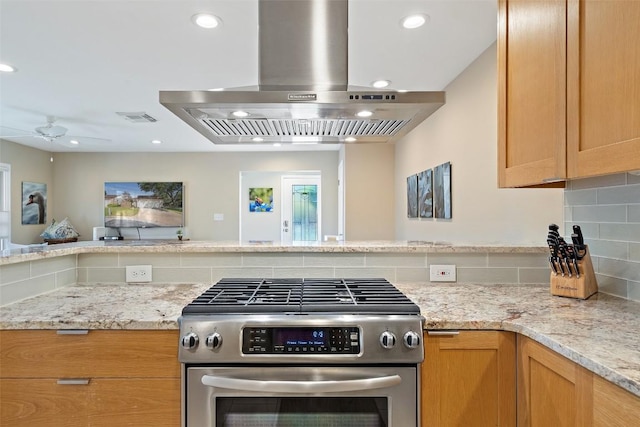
(36, 252)
(600, 333)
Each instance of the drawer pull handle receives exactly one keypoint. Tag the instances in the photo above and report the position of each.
(72, 331)
(443, 333)
(73, 381)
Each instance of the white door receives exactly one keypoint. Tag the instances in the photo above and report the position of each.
(301, 209)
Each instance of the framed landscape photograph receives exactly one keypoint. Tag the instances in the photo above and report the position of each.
(412, 196)
(425, 194)
(143, 204)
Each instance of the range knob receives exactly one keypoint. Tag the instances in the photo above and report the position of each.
(190, 340)
(213, 341)
(387, 339)
(411, 339)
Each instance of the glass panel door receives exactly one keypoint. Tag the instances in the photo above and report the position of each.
(301, 210)
(304, 218)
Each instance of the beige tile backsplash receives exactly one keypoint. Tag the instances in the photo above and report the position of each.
(19, 281)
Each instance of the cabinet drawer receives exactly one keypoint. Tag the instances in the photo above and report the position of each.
(102, 402)
(103, 353)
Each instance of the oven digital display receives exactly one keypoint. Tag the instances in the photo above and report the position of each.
(299, 336)
(301, 340)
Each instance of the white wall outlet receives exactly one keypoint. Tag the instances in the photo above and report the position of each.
(442, 273)
(138, 273)
(218, 217)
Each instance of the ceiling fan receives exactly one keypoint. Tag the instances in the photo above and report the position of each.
(51, 132)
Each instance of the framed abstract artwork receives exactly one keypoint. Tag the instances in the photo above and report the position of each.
(425, 194)
(442, 191)
(412, 196)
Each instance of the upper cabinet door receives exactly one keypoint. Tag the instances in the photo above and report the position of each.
(603, 92)
(532, 54)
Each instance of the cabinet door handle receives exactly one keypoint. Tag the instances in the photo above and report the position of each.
(72, 331)
(443, 333)
(73, 381)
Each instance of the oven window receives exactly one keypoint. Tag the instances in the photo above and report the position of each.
(302, 412)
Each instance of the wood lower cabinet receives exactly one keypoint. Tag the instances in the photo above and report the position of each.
(613, 406)
(101, 378)
(468, 379)
(552, 390)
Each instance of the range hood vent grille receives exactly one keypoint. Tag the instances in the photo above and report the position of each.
(311, 128)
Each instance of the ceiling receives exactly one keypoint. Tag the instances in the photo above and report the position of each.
(82, 61)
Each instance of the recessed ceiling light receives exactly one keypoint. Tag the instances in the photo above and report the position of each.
(276, 144)
(257, 139)
(402, 90)
(7, 68)
(364, 113)
(240, 113)
(218, 89)
(381, 83)
(156, 141)
(414, 21)
(206, 20)
(74, 142)
(350, 139)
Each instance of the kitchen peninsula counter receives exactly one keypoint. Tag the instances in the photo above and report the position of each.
(600, 334)
(36, 252)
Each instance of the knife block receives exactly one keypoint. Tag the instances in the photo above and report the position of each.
(576, 287)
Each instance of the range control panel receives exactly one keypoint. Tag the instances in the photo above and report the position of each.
(301, 340)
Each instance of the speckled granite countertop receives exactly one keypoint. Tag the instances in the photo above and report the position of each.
(600, 334)
(35, 252)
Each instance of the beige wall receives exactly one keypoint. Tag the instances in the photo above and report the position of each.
(464, 132)
(211, 186)
(32, 165)
(369, 192)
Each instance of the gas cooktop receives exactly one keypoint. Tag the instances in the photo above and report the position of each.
(246, 296)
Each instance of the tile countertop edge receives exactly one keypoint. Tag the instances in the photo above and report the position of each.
(36, 252)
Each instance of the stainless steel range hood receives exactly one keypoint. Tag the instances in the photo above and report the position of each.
(303, 94)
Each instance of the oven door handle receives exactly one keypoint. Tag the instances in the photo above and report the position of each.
(301, 386)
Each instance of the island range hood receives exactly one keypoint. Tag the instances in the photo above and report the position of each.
(303, 94)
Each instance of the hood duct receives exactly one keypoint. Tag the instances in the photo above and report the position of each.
(303, 93)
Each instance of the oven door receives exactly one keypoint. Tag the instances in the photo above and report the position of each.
(301, 396)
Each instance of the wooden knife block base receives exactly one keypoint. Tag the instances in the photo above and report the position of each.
(576, 287)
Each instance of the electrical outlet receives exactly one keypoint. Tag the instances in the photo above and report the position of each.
(442, 273)
(138, 273)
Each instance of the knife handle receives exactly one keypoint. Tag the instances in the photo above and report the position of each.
(578, 232)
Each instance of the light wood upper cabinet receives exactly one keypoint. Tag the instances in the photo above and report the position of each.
(468, 379)
(569, 89)
(532, 92)
(603, 87)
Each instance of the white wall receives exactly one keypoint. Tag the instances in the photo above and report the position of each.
(464, 132)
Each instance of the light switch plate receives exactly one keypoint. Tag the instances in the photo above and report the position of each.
(442, 273)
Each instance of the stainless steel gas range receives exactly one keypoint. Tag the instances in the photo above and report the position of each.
(301, 352)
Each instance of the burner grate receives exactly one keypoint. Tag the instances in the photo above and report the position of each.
(302, 296)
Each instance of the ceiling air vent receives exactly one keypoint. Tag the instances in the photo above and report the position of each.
(138, 117)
